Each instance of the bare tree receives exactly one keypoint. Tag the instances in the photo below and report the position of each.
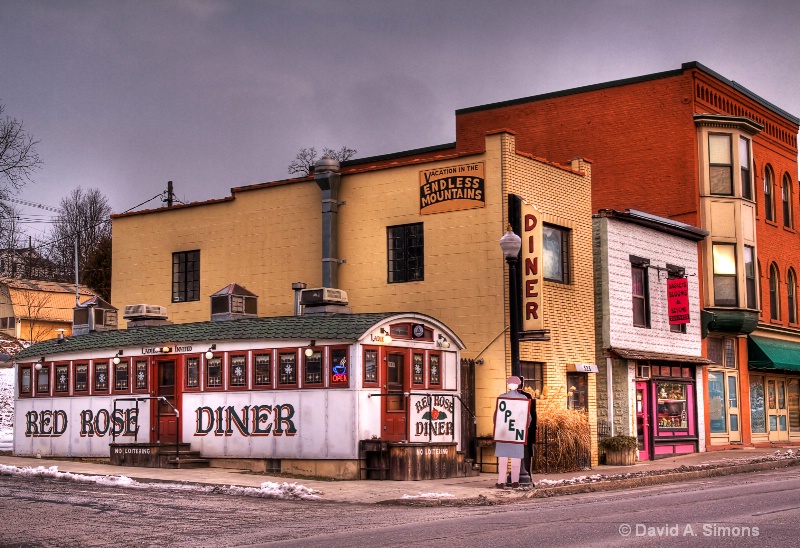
(97, 273)
(10, 233)
(18, 156)
(303, 163)
(85, 218)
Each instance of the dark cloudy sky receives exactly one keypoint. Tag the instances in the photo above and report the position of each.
(211, 94)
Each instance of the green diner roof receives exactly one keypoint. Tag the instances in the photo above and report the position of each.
(345, 327)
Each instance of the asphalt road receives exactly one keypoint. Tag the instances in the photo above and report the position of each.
(759, 509)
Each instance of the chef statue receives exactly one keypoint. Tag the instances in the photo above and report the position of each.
(512, 419)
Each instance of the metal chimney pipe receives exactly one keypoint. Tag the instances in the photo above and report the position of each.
(298, 287)
(326, 175)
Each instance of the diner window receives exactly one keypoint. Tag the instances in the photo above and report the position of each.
(435, 369)
(43, 381)
(744, 162)
(640, 292)
(774, 293)
(122, 376)
(370, 367)
(578, 391)
(750, 276)
(532, 377)
(237, 371)
(25, 380)
(791, 293)
(81, 377)
(312, 369)
(418, 369)
(62, 378)
(193, 372)
(263, 369)
(214, 372)
(287, 369)
(725, 290)
(406, 253)
(186, 276)
(100, 376)
(786, 195)
(340, 369)
(556, 254)
(720, 164)
(769, 191)
(141, 374)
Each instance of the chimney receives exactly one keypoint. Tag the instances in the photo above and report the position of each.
(326, 175)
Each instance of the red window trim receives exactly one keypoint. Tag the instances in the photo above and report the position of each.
(185, 373)
(68, 391)
(74, 375)
(28, 394)
(272, 358)
(277, 369)
(92, 379)
(222, 373)
(377, 382)
(114, 366)
(301, 374)
(246, 356)
(330, 364)
(135, 371)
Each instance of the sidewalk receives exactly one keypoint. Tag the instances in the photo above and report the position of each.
(470, 490)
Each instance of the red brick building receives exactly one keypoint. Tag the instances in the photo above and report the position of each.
(695, 147)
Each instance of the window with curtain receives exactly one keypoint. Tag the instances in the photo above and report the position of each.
(791, 293)
(786, 194)
(769, 206)
(720, 166)
(744, 162)
(725, 291)
(774, 293)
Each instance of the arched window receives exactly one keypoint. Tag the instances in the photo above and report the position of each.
(774, 293)
(791, 292)
(769, 205)
(787, 201)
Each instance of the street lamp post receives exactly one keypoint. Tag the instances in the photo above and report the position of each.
(511, 244)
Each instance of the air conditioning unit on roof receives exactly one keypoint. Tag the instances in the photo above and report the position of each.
(145, 311)
(322, 296)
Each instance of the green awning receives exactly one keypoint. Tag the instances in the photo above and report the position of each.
(768, 353)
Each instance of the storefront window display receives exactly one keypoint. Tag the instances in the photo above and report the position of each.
(716, 402)
(577, 391)
(672, 410)
(758, 411)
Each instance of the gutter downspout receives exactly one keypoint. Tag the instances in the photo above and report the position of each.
(610, 393)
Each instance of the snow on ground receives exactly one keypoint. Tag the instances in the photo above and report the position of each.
(267, 490)
(429, 496)
(6, 408)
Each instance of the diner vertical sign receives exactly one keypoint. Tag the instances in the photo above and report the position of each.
(531, 268)
(678, 300)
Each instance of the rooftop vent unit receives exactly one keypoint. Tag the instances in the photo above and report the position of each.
(93, 314)
(145, 312)
(323, 296)
(233, 302)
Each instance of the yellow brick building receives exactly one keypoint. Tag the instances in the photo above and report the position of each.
(267, 236)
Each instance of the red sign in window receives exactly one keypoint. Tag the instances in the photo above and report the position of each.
(678, 300)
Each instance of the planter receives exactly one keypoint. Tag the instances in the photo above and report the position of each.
(620, 457)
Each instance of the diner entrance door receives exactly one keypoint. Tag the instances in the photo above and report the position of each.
(165, 424)
(395, 384)
(643, 420)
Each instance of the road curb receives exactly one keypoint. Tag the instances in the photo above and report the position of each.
(614, 484)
